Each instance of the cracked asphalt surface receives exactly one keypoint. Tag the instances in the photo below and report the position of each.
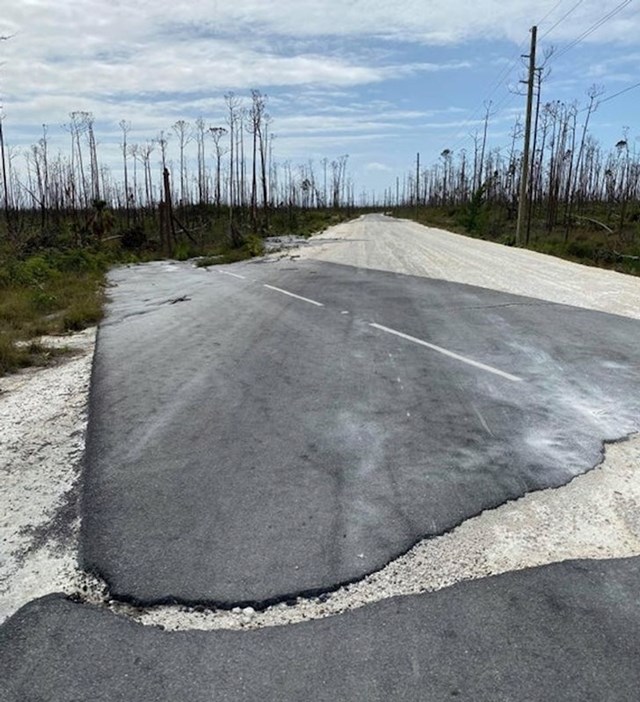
(272, 435)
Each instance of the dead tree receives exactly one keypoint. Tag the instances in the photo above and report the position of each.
(200, 131)
(184, 134)
(216, 134)
(126, 128)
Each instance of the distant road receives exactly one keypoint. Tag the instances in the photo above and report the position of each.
(401, 246)
(275, 428)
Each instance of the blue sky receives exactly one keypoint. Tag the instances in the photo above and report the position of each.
(375, 80)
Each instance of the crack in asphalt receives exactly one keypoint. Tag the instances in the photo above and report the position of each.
(440, 559)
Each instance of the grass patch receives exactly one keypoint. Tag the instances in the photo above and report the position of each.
(14, 356)
(51, 293)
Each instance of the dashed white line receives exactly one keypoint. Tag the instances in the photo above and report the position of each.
(290, 294)
(450, 354)
(235, 275)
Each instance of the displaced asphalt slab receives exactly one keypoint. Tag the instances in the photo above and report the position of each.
(567, 632)
(267, 430)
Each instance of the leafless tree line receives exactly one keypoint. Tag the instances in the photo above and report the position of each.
(572, 175)
(229, 164)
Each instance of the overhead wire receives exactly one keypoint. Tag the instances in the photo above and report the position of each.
(506, 72)
(486, 102)
(508, 68)
(620, 92)
(590, 30)
(551, 11)
(562, 19)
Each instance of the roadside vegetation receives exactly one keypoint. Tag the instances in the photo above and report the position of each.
(48, 293)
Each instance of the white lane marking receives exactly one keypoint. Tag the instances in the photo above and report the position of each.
(235, 275)
(298, 297)
(451, 354)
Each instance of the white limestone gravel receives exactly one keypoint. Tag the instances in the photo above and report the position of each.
(42, 425)
(43, 420)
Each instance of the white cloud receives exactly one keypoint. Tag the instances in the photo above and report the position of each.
(155, 61)
(376, 166)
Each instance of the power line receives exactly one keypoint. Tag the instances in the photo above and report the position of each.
(501, 79)
(620, 92)
(551, 11)
(486, 102)
(562, 19)
(611, 97)
(596, 25)
(506, 72)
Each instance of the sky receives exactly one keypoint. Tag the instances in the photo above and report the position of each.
(375, 80)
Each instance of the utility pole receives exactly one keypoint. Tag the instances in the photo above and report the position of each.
(524, 182)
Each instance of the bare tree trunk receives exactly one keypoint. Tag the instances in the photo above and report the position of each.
(233, 105)
(263, 171)
(126, 127)
(255, 128)
(78, 124)
(167, 227)
(202, 184)
(216, 134)
(182, 130)
(93, 159)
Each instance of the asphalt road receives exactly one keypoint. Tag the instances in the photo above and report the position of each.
(273, 429)
(563, 633)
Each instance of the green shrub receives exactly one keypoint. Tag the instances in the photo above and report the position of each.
(79, 317)
(581, 249)
(16, 308)
(34, 271)
(43, 301)
(254, 245)
(182, 251)
(475, 217)
(209, 261)
(133, 238)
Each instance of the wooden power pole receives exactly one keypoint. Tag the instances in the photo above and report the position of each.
(524, 182)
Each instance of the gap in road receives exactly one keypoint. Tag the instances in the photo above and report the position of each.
(473, 550)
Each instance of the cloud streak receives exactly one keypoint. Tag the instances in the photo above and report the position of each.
(337, 73)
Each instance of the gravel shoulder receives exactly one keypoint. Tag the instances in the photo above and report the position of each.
(43, 419)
